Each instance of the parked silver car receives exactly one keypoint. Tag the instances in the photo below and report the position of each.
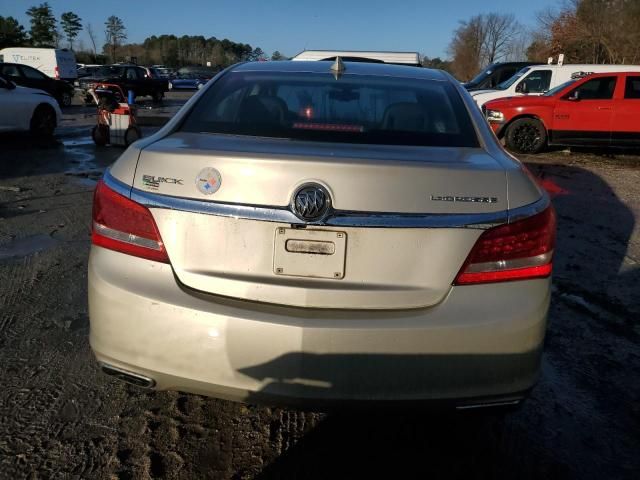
(318, 233)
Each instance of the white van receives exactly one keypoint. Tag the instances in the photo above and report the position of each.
(57, 63)
(538, 79)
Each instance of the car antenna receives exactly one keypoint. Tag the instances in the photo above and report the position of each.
(338, 68)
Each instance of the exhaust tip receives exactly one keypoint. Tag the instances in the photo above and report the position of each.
(128, 377)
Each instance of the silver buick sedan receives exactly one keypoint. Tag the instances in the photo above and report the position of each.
(320, 234)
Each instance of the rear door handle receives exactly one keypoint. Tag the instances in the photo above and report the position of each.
(604, 108)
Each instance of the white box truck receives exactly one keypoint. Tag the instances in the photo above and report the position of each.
(57, 63)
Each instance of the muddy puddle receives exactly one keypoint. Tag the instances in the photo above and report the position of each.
(21, 247)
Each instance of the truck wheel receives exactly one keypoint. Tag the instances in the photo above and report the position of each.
(43, 121)
(131, 135)
(100, 135)
(526, 135)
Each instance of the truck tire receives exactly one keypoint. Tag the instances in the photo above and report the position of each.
(526, 135)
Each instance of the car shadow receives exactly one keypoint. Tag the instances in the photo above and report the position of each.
(579, 420)
(413, 445)
(595, 228)
(409, 440)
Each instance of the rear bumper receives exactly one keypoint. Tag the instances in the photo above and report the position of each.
(481, 342)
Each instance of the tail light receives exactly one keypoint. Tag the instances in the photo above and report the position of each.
(125, 226)
(57, 73)
(515, 251)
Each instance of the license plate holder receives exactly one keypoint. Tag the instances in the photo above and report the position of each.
(309, 253)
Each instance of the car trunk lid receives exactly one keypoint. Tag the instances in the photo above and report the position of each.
(256, 257)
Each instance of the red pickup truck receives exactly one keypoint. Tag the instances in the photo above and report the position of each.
(598, 110)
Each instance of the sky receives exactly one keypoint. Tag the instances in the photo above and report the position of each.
(291, 26)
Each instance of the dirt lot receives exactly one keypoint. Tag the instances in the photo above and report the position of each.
(61, 418)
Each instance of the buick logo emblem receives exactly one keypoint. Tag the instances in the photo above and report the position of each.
(311, 202)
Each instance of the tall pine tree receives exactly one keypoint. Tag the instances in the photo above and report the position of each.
(43, 25)
(71, 26)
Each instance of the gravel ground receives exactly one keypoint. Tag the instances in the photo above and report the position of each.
(61, 418)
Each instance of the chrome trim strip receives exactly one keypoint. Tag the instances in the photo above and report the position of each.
(267, 214)
(337, 218)
(480, 221)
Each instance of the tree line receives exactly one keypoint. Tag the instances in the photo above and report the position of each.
(589, 31)
(585, 31)
(175, 51)
(49, 32)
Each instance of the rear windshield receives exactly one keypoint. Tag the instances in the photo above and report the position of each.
(481, 76)
(507, 83)
(352, 109)
(107, 71)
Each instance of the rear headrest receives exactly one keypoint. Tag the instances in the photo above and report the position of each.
(405, 116)
(262, 109)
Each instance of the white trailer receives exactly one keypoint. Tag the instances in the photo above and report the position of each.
(400, 58)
